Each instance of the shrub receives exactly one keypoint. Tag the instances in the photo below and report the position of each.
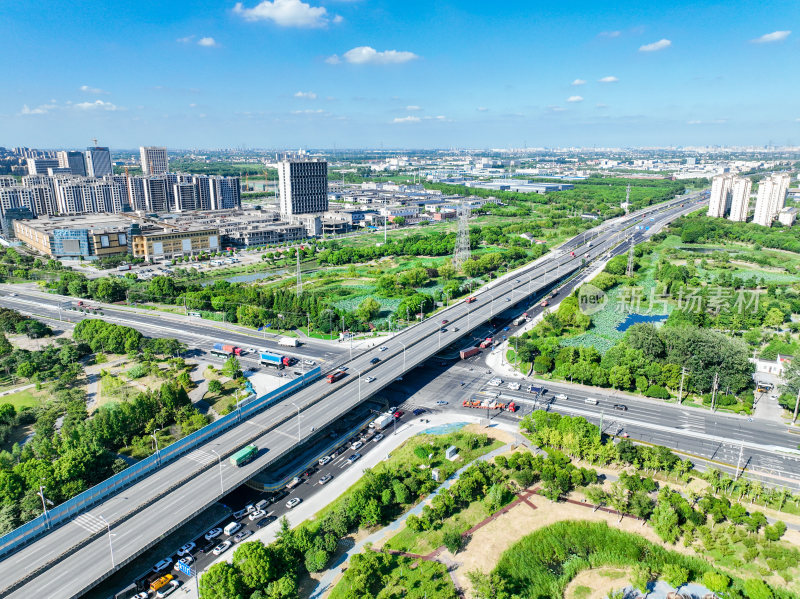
(657, 391)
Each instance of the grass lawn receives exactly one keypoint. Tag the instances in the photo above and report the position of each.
(21, 399)
(404, 577)
(223, 401)
(426, 541)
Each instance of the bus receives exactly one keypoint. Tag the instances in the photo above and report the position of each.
(335, 376)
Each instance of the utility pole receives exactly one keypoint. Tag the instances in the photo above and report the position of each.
(739, 472)
(385, 226)
(714, 390)
(796, 406)
(299, 276)
(680, 392)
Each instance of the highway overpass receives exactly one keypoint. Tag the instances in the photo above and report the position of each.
(73, 557)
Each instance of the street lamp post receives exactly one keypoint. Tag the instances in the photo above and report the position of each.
(296, 407)
(219, 460)
(155, 440)
(359, 383)
(404, 355)
(110, 546)
(44, 506)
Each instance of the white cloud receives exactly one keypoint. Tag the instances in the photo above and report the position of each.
(185, 40)
(656, 46)
(309, 111)
(482, 109)
(714, 122)
(369, 55)
(610, 33)
(407, 119)
(92, 90)
(208, 42)
(775, 36)
(609, 79)
(413, 108)
(575, 99)
(579, 82)
(41, 109)
(287, 13)
(306, 95)
(96, 105)
(557, 109)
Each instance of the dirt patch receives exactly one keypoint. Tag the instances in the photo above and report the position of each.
(24, 342)
(487, 544)
(492, 432)
(599, 582)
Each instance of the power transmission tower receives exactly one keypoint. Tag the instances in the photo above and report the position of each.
(627, 203)
(462, 251)
(299, 276)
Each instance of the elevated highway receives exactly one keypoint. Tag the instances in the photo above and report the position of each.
(73, 557)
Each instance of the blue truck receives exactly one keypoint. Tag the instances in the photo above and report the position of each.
(276, 360)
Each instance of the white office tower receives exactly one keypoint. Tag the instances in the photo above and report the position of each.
(154, 160)
(303, 186)
(98, 162)
(39, 166)
(771, 198)
(74, 161)
(720, 199)
(740, 199)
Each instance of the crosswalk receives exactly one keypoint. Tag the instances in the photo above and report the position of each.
(202, 457)
(693, 422)
(90, 523)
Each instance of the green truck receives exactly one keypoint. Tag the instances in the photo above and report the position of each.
(244, 455)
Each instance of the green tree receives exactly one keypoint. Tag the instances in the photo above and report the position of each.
(368, 309)
(716, 582)
(757, 589)
(447, 271)
(665, 522)
(222, 581)
(214, 386)
(676, 576)
(255, 564)
(453, 540)
(232, 368)
(641, 577)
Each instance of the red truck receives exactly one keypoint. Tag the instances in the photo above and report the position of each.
(471, 299)
(225, 349)
(335, 376)
(468, 352)
(486, 343)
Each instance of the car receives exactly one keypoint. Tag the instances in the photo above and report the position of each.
(264, 521)
(221, 548)
(620, 407)
(256, 515)
(392, 409)
(506, 329)
(441, 402)
(382, 348)
(186, 549)
(294, 501)
(343, 368)
(238, 515)
(324, 460)
(419, 411)
(142, 595)
(508, 299)
(369, 379)
(456, 329)
(514, 386)
(167, 590)
(213, 534)
(162, 565)
(241, 535)
(377, 437)
(325, 479)
(398, 414)
(356, 445)
(443, 329)
(353, 458)
(184, 560)
(561, 396)
(374, 360)
(496, 382)
(445, 321)
(12, 294)
(309, 362)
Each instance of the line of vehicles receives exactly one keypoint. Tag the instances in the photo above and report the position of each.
(265, 358)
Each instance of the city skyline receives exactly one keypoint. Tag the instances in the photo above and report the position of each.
(370, 73)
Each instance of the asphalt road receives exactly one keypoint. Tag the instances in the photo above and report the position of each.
(158, 504)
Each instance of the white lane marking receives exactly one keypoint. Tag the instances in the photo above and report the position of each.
(90, 522)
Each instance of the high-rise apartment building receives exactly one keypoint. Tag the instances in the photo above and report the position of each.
(184, 196)
(74, 161)
(303, 186)
(771, 198)
(740, 199)
(98, 162)
(720, 200)
(154, 160)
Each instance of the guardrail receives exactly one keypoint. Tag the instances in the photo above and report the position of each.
(83, 501)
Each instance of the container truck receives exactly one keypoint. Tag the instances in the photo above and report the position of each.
(335, 376)
(244, 455)
(519, 320)
(471, 299)
(382, 422)
(276, 360)
(288, 342)
(226, 350)
(468, 352)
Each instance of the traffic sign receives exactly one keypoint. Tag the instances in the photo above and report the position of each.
(185, 568)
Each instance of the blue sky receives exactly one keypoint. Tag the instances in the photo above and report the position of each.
(372, 73)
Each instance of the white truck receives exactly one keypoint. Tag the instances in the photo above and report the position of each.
(288, 342)
(382, 422)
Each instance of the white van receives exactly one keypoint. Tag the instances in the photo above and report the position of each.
(232, 528)
(262, 504)
(591, 400)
